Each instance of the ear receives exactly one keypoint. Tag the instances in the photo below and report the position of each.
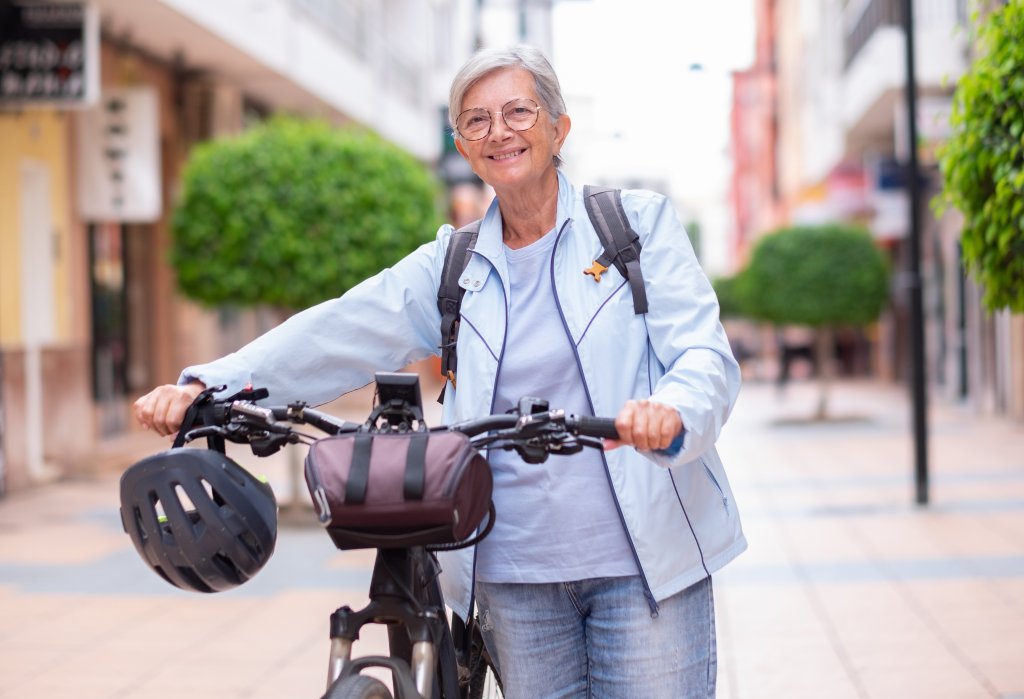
(459, 147)
(562, 127)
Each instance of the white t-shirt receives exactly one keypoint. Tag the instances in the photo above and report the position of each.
(556, 521)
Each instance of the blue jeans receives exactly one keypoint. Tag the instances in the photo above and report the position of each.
(596, 638)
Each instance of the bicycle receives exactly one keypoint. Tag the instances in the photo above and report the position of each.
(430, 656)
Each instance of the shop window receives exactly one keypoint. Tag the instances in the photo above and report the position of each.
(109, 353)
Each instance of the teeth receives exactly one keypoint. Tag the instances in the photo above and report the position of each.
(506, 156)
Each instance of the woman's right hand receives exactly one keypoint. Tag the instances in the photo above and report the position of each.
(163, 409)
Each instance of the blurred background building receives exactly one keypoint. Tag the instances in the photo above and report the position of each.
(819, 134)
(101, 101)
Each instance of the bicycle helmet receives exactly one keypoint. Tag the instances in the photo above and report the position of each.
(197, 518)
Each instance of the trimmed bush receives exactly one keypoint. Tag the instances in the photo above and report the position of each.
(294, 212)
(816, 276)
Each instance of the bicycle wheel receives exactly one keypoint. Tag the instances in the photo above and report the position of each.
(358, 687)
(483, 682)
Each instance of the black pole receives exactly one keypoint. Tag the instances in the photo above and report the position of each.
(917, 357)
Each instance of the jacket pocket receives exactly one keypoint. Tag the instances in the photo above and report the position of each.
(714, 482)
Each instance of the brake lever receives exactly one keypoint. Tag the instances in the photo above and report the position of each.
(206, 431)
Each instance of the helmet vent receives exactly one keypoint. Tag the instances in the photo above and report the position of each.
(228, 568)
(183, 498)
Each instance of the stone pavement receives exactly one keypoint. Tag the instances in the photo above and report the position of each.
(847, 590)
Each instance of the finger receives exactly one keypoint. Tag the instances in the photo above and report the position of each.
(142, 414)
(642, 426)
(624, 422)
(673, 426)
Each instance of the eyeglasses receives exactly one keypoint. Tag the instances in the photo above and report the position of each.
(519, 115)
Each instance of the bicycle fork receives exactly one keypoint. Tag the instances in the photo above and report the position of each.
(407, 620)
(420, 670)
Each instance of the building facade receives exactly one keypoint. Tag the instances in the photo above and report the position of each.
(838, 128)
(89, 312)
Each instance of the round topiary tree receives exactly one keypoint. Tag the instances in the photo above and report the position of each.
(818, 276)
(983, 161)
(292, 212)
(726, 289)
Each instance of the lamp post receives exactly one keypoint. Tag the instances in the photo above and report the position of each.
(917, 348)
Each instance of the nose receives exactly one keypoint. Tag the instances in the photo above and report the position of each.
(499, 129)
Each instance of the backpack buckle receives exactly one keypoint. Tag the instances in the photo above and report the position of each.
(596, 270)
(451, 377)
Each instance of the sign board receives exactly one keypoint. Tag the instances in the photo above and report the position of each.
(49, 54)
(119, 157)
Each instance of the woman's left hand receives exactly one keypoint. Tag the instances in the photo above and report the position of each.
(646, 425)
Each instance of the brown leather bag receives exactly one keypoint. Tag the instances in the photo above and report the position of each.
(378, 490)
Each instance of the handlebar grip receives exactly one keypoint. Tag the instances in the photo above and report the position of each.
(597, 427)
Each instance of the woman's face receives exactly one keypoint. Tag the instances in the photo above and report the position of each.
(507, 159)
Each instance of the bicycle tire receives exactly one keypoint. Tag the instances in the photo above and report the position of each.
(483, 681)
(358, 687)
(484, 684)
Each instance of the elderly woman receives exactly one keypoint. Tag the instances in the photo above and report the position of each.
(596, 580)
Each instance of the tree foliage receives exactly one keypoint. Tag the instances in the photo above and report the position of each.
(726, 289)
(816, 276)
(293, 212)
(983, 161)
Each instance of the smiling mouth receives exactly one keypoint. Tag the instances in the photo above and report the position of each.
(506, 156)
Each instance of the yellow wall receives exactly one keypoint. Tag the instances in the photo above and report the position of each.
(40, 135)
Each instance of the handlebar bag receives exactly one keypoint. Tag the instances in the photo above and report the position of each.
(398, 490)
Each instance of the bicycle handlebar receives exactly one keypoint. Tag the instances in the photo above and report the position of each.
(267, 428)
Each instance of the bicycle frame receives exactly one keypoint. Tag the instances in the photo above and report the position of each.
(404, 591)
(401, 596)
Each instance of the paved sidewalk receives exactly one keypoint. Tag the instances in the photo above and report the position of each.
(847, 590)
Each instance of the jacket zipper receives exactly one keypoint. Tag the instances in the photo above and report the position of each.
(652, 603)
(714, 481)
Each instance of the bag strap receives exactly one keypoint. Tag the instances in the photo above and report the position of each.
(449, 296)
(415, 466)
(621, 243)
(359, 472)
(621, 248)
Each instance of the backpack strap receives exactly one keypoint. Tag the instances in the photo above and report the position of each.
(621, 243)
(449, 296)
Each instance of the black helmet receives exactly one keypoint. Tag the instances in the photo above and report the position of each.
(218, 524)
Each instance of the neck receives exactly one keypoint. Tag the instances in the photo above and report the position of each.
(526, 215)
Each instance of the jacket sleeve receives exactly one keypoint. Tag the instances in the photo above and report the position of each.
(382, 324)
(701, 379)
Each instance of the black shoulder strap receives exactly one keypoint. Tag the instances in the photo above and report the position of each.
(620, 241)
(449, 295)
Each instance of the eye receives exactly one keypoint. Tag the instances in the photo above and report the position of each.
(474, 119)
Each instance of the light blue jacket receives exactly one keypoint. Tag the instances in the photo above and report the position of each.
(678, 510)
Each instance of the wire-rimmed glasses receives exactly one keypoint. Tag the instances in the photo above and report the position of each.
(519, 114)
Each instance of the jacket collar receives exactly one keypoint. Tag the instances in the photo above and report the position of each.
(489, 240)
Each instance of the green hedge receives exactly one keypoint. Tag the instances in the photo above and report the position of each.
(983, 162)
(816, 276)
(294, 212)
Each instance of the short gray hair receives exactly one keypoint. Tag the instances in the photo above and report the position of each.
(486, 61)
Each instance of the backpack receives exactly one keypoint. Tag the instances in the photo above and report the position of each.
(621, 248)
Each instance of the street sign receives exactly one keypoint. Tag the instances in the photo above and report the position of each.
(49, 54)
